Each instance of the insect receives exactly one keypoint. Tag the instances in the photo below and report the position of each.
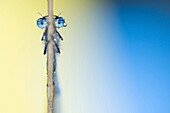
(59, 22)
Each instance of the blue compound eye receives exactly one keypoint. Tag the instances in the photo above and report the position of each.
(42, 23)
(60, 22)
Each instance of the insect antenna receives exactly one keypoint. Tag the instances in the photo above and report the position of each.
(40, 14)
(60, 14)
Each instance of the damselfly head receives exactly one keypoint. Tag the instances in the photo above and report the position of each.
(59, 22)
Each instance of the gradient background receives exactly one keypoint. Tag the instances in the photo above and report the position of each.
(115, 56)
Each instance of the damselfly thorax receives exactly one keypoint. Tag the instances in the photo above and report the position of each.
(59, 22)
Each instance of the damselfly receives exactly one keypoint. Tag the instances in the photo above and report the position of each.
(59, 22)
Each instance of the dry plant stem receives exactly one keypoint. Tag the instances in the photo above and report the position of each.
(50, 59)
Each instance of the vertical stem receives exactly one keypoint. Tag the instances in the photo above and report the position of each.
(50, 58)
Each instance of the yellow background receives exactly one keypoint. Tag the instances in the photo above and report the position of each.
(22, 64)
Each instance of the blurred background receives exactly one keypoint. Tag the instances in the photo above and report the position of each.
(115, 56)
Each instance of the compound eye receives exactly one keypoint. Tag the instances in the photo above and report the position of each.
(41, 23)
(59, 22)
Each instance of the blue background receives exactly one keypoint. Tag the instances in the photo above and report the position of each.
(144, 51)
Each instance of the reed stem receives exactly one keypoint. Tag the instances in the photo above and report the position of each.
(50, 58)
